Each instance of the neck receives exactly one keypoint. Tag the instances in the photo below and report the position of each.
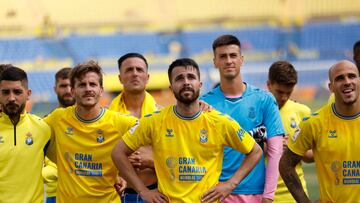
(133, 102)
(188, 110)
(88, 113)
(233, 87)
(348, 110)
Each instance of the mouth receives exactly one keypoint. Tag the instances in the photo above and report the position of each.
(186, 90)
(348, 91)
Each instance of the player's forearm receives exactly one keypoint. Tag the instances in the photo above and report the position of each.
(287, 171)
(274, 152)
(246, 166)
(127, 171)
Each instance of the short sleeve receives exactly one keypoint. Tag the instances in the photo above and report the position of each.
(236, 137)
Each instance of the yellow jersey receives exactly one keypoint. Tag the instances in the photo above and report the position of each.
(82, 150)
(188, 151)
(291, 115)
(149, 105)
(49, 173)
(21, 158)
(332, 137)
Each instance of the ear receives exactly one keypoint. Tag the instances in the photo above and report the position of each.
(28, 94)
(330, 86)
(148, 78)
(119, 76)
(200, 85)
(268, 84)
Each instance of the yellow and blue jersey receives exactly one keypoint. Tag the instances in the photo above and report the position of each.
(291, 115)
(21, 158)
(188, 151)
(332, 137)
(82, 151)
(149, 105)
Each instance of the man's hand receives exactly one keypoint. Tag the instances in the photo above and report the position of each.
(266, 200)
(285, 140)
(142, 158)
(219, 192)
(120, 185)
(205, 106)
(153, 196)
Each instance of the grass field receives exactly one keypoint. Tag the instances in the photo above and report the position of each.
(311, 180)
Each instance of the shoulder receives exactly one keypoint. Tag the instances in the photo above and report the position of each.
(114, 115)
(158, 113)
(214, 93)
(299, 107)
(38, 121)
(115, 102)
(259, 94)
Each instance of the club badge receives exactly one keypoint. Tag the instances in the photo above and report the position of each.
(100, 138)
(29, 139)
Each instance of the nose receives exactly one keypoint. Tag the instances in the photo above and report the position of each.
(11, 97)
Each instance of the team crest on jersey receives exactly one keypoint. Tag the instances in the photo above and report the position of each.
(252, 113)
(69, 131)
(171, 163)
(332, 134)
(100, 138)
(169, 132)
(335, 168)
(1, 139)
(241, 133)
(203, 136)
(296, 133)
(293, 123)
(29, 139)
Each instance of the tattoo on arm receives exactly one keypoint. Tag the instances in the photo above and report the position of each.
(287, 165)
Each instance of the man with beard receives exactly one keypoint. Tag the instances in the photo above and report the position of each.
(331, 133)
(62, 89)
(83, 138)
(187, 144)
(23, 138)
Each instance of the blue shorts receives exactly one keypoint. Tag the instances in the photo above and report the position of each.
(51, 200)
(131, 196)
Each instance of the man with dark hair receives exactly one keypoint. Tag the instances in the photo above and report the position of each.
(252, 108)
(23, 138)
(2, 68)
(136, 101)
(62, 88)
(282, 79)
(63, 91)
(187, 144)
(331, 133)
(84, 136)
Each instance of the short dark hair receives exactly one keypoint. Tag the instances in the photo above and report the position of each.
(81, 69)
(224, 40)
(3, 67)
(183, 62)
(63, 73)
(13, 73)
(282, 72)
(356, 47)
(131, 55)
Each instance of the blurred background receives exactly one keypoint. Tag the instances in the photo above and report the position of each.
(42, 36)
